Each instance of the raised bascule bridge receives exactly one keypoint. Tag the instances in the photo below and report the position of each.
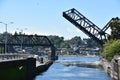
(87, 26)
(93, 31)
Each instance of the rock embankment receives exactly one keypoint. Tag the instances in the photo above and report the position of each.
(109, 69)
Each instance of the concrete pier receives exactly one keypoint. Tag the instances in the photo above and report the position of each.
(22, 69)
(42, 67)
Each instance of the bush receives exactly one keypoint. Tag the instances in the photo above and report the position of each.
(111, 48)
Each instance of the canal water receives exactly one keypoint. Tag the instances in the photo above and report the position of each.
(59, 71)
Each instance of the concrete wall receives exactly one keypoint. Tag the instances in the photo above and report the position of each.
(42, 68)
(23, 69)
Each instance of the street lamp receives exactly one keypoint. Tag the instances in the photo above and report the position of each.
(6, 34)
(21, 30)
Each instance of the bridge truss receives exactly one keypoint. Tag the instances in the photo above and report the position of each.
(85, 25)
(29, 41)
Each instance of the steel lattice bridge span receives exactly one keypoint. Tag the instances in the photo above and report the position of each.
(88, 27)
(28, 41)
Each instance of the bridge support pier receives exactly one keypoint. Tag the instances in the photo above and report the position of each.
(52, 56)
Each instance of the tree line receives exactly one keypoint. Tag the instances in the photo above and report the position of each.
(60, 42)
(112, 47)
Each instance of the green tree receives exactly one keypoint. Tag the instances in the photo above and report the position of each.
(76, 41)
(111, 48)
(65, 44)
(115, 29)
(90, 43)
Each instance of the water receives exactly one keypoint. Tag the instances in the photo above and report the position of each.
(79, 58)
(60, 72)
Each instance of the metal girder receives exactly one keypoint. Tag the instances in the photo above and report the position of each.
(29, 40)
(85, 25)
(107, 25)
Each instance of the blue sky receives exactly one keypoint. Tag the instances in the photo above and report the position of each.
(44, 17)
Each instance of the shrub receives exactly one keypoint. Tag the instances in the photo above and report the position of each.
(111, 48)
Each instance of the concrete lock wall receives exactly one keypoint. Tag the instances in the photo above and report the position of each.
(18, 69)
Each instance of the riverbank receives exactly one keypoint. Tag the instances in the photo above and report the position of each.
(109, 69)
